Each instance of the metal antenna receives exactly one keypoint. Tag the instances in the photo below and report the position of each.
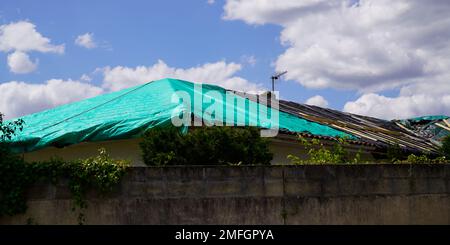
(276, 77)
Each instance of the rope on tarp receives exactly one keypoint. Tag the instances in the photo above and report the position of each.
(93, 108)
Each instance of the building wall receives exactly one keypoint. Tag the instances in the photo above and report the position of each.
(285, 145)
(281, 147)
(325, 194)
(120, 149)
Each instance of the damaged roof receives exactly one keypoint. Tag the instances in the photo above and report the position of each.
(373, 131)
(434, 128)
(130, 112)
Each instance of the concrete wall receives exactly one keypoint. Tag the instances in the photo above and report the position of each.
(353, 194)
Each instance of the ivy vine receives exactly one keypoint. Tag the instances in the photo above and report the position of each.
(16, 176)
(100, 173)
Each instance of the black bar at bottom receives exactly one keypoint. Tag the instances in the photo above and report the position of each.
(221, 234)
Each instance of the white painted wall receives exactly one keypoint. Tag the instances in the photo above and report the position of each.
(129, 149)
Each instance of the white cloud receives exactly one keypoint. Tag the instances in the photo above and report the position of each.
(20, 98)
(22, 36)
(85, 78)
(268, 11)
(414, 100)
(19, 62)
(368, 46)
(210, 2)
(317, 101)
(249, 59)
(399, 107)
(219, 73)
(86, 40)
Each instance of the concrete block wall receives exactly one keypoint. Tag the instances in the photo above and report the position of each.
(325, 194)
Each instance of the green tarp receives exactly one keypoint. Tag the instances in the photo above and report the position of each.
(130, 112)
(427, 126)
(427, 118)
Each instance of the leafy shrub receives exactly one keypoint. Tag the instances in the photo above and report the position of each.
(100, 173)
(14, 174)
(317, 153)
(8, 130)
(423, 159)
(205, 146)
(15, 177)
(396, 153)
(426, 159)
(446, 146)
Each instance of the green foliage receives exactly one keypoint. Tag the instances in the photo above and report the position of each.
(162, 147)
(413, 159)
(15, 177)
(446, 146)
(100, 173)
(317, 153)
(14, 174)
(8, 130)
(423, 159)
(396, 153)
(205, 146)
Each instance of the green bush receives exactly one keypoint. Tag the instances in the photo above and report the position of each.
(422, 159)
(15, 177)
(14, 174)
(446, 146)
(396, 153)
(317, 153)
(205, 146)
(100, 173)
(8, 130)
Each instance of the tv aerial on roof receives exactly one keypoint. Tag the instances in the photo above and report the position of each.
(276, 77)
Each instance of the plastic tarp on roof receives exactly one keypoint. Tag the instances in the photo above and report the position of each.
(427, 118)
(129, 113)
(431, 127)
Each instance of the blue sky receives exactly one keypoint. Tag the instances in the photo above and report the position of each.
(186, 34)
